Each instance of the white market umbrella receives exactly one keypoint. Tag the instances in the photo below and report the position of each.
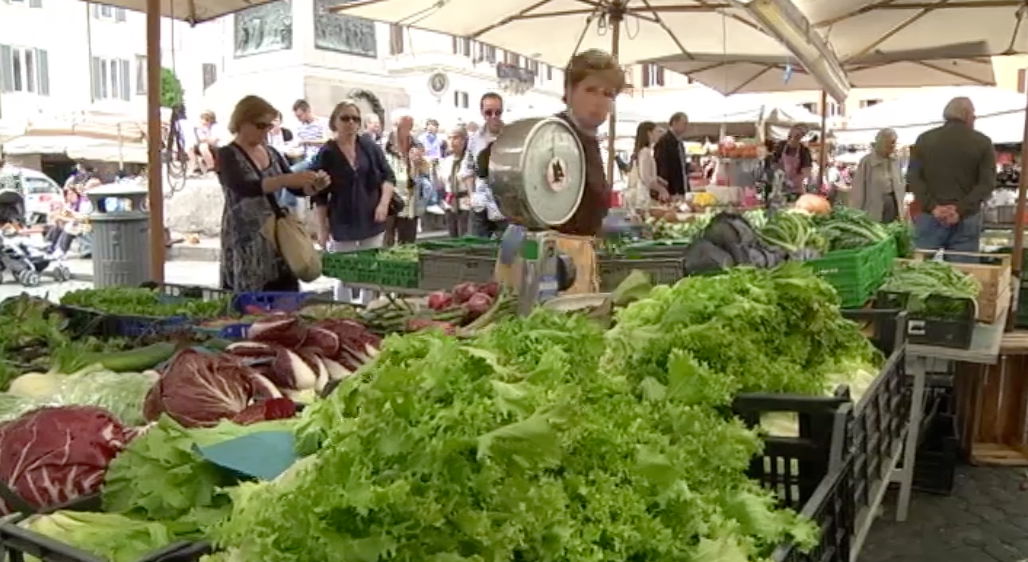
(632, 30)
(758, 72)
(1000, 116)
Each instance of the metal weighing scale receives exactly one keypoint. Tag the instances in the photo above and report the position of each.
(537, 174)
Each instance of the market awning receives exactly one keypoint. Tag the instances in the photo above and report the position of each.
(939, 29)
(78, 148)
(738, 73)
(1000, 115)
(552, 30)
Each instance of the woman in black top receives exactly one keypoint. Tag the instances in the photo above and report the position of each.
(352, 212)
(251, 173)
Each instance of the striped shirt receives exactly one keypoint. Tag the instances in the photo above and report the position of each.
(315, 132)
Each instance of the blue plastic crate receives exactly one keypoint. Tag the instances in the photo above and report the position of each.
(139, 326)
(270, 301)
(238, 331)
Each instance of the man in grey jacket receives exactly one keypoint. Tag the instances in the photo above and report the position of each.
(952, 172)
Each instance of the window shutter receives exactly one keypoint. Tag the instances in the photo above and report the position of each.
(126, 82)
(119, 14)
(6, 71)
(1021, 75)
(140, 75)
(43, 71)
(95, 77)
(96, 11)
(35, 3)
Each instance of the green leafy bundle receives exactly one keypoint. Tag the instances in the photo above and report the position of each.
(921, 279)
(511, 447)
(746, 330)
(143, 302)
(847, 229)
(794, 232)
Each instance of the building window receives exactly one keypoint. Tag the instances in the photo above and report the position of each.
(395, 39)
(110, 79)
(210, 74)
(1022, 80)
(549, 72)
(486, 53)
(105, 12)
(460, 99)
(462, 46)
(510, 58)
(652, 75)
(869, 103)
(31, 3)
(140, 75)
(24, 69)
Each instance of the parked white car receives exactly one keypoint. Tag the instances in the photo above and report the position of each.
(40, 192)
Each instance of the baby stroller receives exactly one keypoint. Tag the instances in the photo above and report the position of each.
(19, 258)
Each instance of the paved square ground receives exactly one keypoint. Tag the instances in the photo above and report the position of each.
(985, 520)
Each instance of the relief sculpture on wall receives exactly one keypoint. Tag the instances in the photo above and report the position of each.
(345, 34)
(264, 28)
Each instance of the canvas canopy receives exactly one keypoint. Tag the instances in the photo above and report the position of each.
(1000, 115)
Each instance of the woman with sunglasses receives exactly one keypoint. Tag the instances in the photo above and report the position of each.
(352, 212)
(251, 174)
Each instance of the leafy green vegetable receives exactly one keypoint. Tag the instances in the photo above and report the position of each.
(794, 232)
(402, 252)
(143, 302)
(512, 446)
(847, 228)
(111, 536)
(122, 394)
(746, 330)
(921, 279)
(159, 476)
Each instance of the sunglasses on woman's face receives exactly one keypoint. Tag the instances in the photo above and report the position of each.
(349, 119)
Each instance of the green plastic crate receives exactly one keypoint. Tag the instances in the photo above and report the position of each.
(352, 267)
(856, 274)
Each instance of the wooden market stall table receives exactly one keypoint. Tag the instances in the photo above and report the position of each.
(984, 350)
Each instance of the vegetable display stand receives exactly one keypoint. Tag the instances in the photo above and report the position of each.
(992, 271)
(17, 544)
(944, 321)
(662, 269)
(194, 292)
(443, 269)
(992, 406)
(270, 301)
(856, 274)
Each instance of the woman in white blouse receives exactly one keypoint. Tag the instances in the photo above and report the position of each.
(878, 185)
(643, 181)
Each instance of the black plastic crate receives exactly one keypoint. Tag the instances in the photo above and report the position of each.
(16, 543)
(831, 509)
(939, 449)
(793, 467)
(876, 429)
(945, 322)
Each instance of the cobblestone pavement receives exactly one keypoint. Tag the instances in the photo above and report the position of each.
(985, 520)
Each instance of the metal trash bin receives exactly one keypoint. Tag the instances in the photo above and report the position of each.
(121, 241)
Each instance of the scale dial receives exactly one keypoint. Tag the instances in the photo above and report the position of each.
(537, 169)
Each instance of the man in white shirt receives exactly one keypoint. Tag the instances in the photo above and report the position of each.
(486, 219)
(434, 143)
(311, 134)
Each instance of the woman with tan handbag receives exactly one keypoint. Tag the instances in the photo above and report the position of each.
(251, 173)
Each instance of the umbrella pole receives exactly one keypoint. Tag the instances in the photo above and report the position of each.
(614, 18)
(1017, 261)
(822, 158)
(153, 146)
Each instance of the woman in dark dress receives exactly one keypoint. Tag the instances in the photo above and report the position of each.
(250, 171)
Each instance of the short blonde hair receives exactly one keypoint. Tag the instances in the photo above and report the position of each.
(249, 110)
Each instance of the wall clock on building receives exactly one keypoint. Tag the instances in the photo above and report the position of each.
(438, 83)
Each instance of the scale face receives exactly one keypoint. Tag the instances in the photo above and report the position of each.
(537, 170)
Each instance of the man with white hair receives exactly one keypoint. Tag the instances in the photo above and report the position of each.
(952, 171)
